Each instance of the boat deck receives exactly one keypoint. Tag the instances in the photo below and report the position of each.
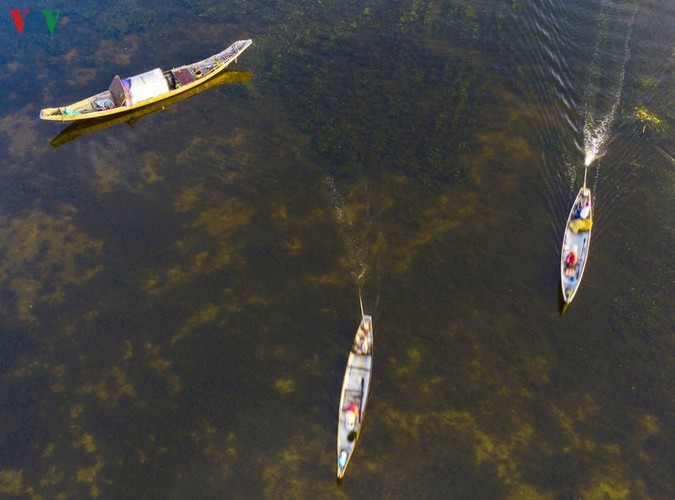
(120, 97)
(577, 243)
(355, 390)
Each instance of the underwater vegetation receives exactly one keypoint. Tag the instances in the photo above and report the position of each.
(408, 103)
(643, 115)
(176, 294)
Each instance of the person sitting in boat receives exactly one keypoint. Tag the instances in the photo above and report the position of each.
(571, 259)
(362, 340)
(351, 416)
(584, 207)
(570, 263)
(360, 344)
(366, 328)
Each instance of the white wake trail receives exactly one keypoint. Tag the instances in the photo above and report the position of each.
(597, 131)
(345, 221)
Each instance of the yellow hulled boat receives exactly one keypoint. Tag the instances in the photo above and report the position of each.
(127, 94)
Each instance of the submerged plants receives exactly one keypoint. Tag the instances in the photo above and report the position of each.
(646, 117)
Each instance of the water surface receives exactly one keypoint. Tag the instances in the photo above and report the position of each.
(179, 297)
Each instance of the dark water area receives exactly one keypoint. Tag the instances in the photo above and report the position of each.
(178, 297)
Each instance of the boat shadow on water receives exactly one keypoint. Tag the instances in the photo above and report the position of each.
(562, 305)
(84, 127)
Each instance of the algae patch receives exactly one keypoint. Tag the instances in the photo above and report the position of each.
(284, 386)
(42, 255)
(11, 482)
(647, 117)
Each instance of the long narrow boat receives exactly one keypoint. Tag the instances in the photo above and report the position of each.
(355, 391)
(84, 127)
(126, 94)
(576, 242)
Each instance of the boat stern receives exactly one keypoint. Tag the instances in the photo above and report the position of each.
(342, 464)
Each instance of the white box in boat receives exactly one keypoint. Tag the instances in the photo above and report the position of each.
(147, 85)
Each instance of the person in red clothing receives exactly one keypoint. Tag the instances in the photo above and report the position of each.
(351, 416)
(571, 259)
(570, 262)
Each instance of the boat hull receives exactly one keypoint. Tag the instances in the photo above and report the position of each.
(576, 244)
(354, 394)
(204, 70)
(84, 127)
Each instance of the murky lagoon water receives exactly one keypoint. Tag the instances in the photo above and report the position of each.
(179, 297)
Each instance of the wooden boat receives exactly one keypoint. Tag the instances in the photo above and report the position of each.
(576, 242)
(125, 94)
(132, 116)
(355, 391)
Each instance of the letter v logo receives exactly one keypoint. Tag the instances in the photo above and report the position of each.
(18, 20)
(49, 17)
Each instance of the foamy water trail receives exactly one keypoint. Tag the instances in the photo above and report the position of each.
(344, 218)
(597, 129)
(337, 201)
